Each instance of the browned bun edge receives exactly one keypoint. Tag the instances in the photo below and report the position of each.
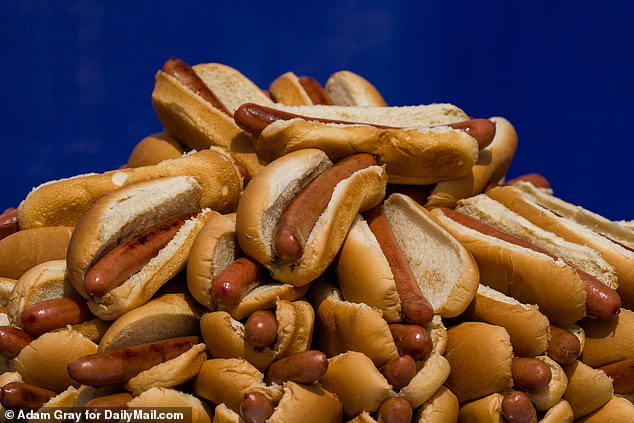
(286, 89)
(347, 88)
(155, 148)
(588, 388)
(608, 341)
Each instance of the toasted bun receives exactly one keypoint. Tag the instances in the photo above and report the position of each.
(268, 194)
(529, 276)
(491, 165)
(366, 391)
(548, 397)
(155, 148)
(347, 88)
(27, 248)
(478, 368)
(165, 397)
(286, 89)
(526, 325)
(226, 380)
(6, 287)
(112, 218)
(43, 362)
(166, 316)
(523, 199)
(445, 271)
(212, 251)
(588, 389)
(442, 407)
(617, 409)
(306, 403)
(170, 373)
(483, 410)
(64, 202)
(608, 341)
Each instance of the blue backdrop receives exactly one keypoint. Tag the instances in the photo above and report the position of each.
(77, 75)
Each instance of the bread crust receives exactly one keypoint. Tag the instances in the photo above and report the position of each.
(286, 89)
(617, 409)
(608, 341)
(588, 389)
(442, 407)
(167, 397)
(155, 148)
(347, 88)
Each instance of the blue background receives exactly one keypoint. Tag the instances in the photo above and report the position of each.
(77, 75)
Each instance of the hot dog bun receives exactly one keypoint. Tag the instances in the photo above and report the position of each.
(64, 202)
(155, 148)
(608, 341)
(490, 167)
(548, 397)
(347, 88)
(444, 269)
(489, 409)
(167, 397)
(617, 409)
(442, 407)
(287, 89)
(112, 219)
(267, 195)
(25, 249)
(588, 388)
(528, 276)
(576, 225)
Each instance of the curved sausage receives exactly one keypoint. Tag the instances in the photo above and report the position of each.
(314, 90)
(411, 340)
(9, 222)
(236, 280)
(518, 408)
(119, 366)
(530, 374)
(12, 341)
(298, 219)
(415, 307)
(564, 347)
(395, 410)
(132, 255)
(188, 77)
(256, 407)
(622, 374)
(399, 371)
(302, 367)
(23, 395)
(56, 313)
(260, 328)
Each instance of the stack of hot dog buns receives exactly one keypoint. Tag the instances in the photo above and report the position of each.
(300, 252)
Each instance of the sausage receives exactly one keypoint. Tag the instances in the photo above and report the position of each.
(56, 313)
(518, 408)
(395, 410)
(188, 77)
(415, 307)
(298, 219)
(260, 328)
(602, 301)
(399, 371)
(302, 367)
(314, 90)
(23, 395)
(118, 366)
(12, 341)
(253, 118)
(256, 407)
(127, 258)
(411, 340)
(236, 280)
(530, 374)
(536, 179)
(622, 374)
(9, 222)
(564, 347)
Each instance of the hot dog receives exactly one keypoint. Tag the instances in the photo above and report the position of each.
(564, 346)
(271, 191)
(302, 367)
(236, 280)
(256, 407)
(9, 222)
(292, 90)
(12, 341)
(54, 314)
(260, 328)
(517, 408)
(395, 410)
(16, 395)
(622, 375)
(316, 93)
(412, 340)
(530, 374)
(399, 371)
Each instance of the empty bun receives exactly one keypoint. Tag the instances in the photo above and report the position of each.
(347, 88)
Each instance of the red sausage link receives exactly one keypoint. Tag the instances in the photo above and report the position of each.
(256, 407)
(399, 371)
(260, 328)
(12, 341)
(411, 340)
(119, 366)
(298, 219)
(236, 280)
(622, 374)
(315, 91)
(302, 367)
(564, 347)
(415, 307)
(530, 374)
(536, 179)
(56, 313)
(483, 130)
(16, 395)
(132, 255)
(518, 408)
(9, 222)
(188, 77)
(395, 410)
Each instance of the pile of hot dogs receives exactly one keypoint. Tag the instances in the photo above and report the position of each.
(310, 253)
